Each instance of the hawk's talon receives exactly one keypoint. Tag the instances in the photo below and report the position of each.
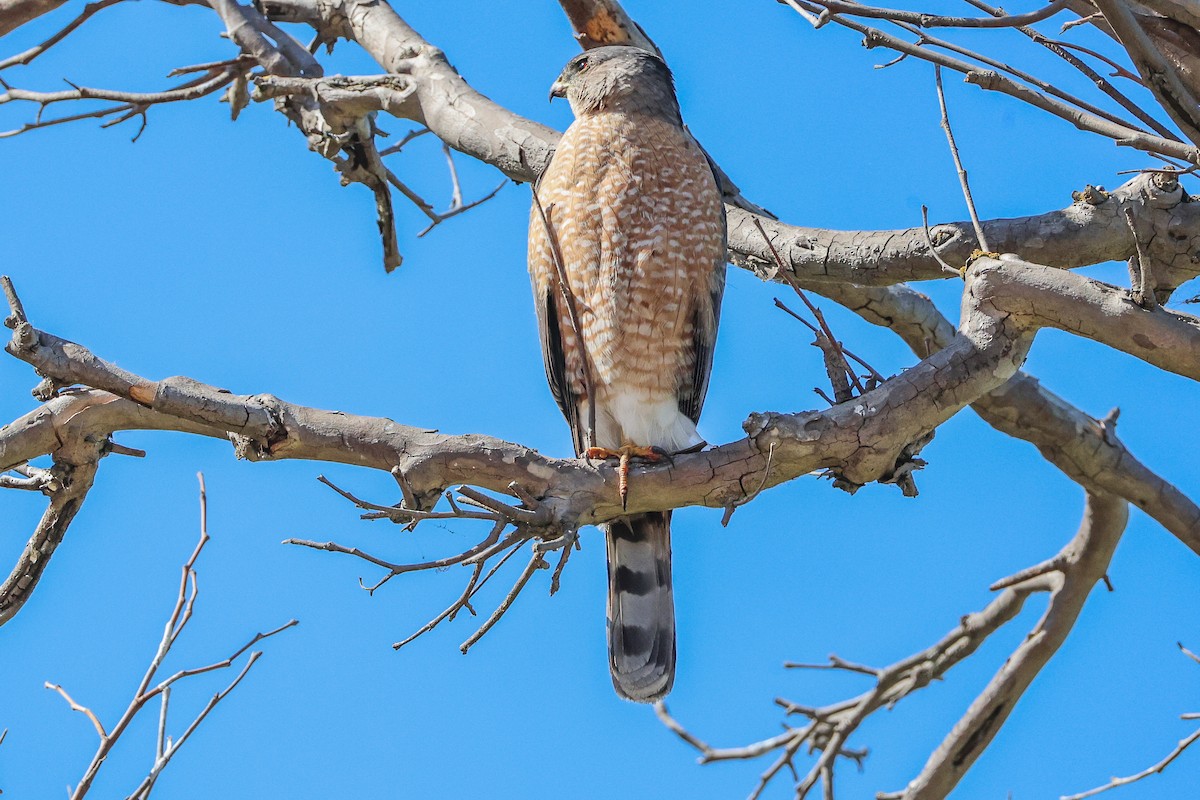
(625, 453)
(663, 455)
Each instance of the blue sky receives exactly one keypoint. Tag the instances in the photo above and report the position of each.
(229, 253)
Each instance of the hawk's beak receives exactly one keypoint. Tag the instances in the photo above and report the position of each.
(558, 89)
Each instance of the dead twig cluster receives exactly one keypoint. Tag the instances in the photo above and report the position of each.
(280, 68)
(845, 380)
(151, 687)
(511, 527)
(213, 77)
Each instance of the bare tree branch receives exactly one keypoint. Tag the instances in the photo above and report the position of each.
(872, 436)
(1085, 562)
(1152, 770)
(1079, 566)
(1155, 769)
(958, 165)
(933, 20)
(1060, 49)
(1085, 449)
(1160, 76)
(29, 55)
(73, 484)
(993, 81)
(1006, 301)
(180, 615)
(15, 13)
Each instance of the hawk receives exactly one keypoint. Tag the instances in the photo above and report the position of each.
(627, 259)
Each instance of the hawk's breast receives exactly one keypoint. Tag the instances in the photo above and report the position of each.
(637, 213)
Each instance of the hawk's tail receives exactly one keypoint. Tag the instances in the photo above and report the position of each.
(641, 606)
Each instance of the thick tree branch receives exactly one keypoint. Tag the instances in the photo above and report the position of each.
(15, 13)
(73, 484)
(601, 22)
(432, 93)
(1158, 75)
(1087, 450)
(1090, 231)
(1078, 568)
(1167, 339)
(872, 437)
(261, 425)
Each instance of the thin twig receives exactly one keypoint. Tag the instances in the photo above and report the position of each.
(992, 81)
(1156, 768)
(462, 602)
(190, 90)
(836, 663)
(1118, 70)
(87, 712)
(181, 613)
(1060, 49)
(398, 569)
(408, 137)
(570, 544)
(664, 716)
(932, 41)
(729, 509)
(208, 66)
(958, 165)
(403, 514)
(534, 563)
(462, 209)
(1143, 283)
(935, 21)
(29, 55)
(932, 248)
(143, 789)
(495, 568)
(838, 352)
(522, 516)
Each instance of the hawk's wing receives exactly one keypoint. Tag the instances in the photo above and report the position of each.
(705, 321)
(548, 301)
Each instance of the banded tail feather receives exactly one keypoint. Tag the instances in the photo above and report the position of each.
(641, 606)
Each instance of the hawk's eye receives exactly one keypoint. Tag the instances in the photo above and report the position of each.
(583, 62)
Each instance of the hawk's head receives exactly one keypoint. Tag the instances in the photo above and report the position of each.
(617, 78)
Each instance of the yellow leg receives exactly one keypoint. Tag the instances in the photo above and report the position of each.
(624, 454)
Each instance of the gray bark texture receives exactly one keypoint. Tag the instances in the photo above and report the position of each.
(875, 435)
(15, 13)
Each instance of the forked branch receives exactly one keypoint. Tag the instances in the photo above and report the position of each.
(827, 730)
(148, 689)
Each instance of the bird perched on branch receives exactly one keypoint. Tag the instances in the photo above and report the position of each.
(627, 257)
